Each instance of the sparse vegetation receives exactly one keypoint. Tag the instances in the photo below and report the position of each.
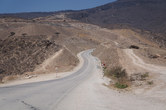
(119, 74)
(150, 82)
(104, 68)
(139, 76)
(144, 76)
(57, 33)
(121, 86)
(24, 34)
(12, 34)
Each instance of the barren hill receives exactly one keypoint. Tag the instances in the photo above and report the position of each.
(50, 42)
(41, 46)
(144, 16)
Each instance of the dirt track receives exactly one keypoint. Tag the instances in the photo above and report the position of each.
(140, 63)
(157, 75)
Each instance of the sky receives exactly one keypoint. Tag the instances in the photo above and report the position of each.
(15, 6)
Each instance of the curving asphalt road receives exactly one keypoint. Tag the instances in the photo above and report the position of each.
(45, 95)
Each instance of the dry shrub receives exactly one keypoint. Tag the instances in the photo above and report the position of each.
(120, 75)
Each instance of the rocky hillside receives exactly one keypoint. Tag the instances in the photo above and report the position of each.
(145, 16)
(39, 47)
(22, 54)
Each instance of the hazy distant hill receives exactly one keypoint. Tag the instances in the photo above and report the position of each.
(27, 15)
(146, 15)
(31, 15)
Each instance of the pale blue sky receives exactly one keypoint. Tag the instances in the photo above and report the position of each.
(14, 6)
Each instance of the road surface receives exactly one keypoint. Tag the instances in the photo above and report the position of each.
(82, 90)
(45, 95)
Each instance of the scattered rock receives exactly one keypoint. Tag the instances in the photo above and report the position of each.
(135, 77)
(29, 76)
(134, 47)
(139, 76)
(154, 56)
(138, 83)
(24, 34)
(1, 71)
(12, 34)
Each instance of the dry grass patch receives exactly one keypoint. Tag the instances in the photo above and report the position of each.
(119, 75)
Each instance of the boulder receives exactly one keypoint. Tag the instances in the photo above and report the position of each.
(134, 47)
(155, 56)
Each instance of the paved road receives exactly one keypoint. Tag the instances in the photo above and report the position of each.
(45, 95)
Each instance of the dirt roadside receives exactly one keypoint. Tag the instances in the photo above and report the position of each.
(157, 74)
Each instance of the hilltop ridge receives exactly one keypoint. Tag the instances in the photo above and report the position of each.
(144, 16)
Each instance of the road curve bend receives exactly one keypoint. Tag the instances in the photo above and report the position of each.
(82, 90)
(45, 95)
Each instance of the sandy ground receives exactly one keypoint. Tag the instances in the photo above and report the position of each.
(140, 63)
(157, 74)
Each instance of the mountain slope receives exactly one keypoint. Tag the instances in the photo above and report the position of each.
(146, 15)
